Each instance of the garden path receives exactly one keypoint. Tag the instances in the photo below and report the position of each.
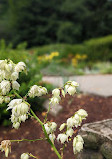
(92, 84)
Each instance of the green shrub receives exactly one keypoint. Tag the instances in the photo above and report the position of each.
(27, 80)
(99, 49)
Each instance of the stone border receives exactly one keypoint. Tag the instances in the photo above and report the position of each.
(85, 128)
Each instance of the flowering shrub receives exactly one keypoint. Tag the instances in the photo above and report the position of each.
(21, 110)
(47, 58)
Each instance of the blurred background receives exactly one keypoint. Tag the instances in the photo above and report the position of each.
(58, 41)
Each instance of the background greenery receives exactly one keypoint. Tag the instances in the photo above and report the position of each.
(41, 22)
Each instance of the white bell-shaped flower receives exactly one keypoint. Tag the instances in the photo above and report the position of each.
(62, 138)
(15, 85)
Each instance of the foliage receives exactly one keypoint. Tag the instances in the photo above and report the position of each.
(33, 74)
(98, 49)
(39, 22)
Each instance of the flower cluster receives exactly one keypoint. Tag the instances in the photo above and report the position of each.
(72, 122)
(37, 91)
(5, 99)
(50, 128)
(19, 112)
(70, 87)
(9, 73)
(56, 96)
(77, 144)
(6, 146)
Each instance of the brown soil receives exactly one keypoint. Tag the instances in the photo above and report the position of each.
(98, 108)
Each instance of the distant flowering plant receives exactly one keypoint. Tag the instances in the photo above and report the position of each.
(21, 110)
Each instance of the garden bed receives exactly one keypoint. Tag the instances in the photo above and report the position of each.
(98, 108)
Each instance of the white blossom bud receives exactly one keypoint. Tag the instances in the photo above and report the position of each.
(2, 64)
(13, 103)
(15, 85)
(70, 132)
(82, 113)
(5, 87)
(20, 67)
(77, 144)
(71, 90)
(24, 156)
(44, 91)
(1, 99)
(16, 125)
(7, 99)
(9, 67)
(53, 126)
(52, 137)
(75, 84)
(66, 88)
(14, 76)
(77, 120)
(62, 126)
(70, 122)
(62, 138)
(54, 100)
(23, 118)
(56, 92)
(47, 128)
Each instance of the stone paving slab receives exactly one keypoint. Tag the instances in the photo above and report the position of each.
(93, 84)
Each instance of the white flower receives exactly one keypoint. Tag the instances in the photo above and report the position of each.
(1, 99)
(50, 127)
(5, 87)
(20, 67)
(70, 122)
(7, 99)
(52, 137)
(77, 144)
(24, 156)
(15, 85)
(14, 76)
(62, 126)
(77, 120)
(44, 90)
(66, 88)
(56, 92)
(47, 128)
(71, 90)
(9, 67)
(13, 103)
(53, 126)
(54, 100)
(70, 132)
(62, 138)
(23, 118)
(16, 125)
(82, 113)
(2, 64)
(75, 84)
(37, 91)
(20, 109)
(33, 90)
(79, 138)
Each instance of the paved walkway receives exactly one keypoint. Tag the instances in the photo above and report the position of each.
(92, 84)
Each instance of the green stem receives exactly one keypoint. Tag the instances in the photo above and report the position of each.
(46, 135)
(27, 140)
(32, 155)
(47, 113)
(41, 123)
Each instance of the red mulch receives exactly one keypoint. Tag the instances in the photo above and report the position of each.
(98, 108)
